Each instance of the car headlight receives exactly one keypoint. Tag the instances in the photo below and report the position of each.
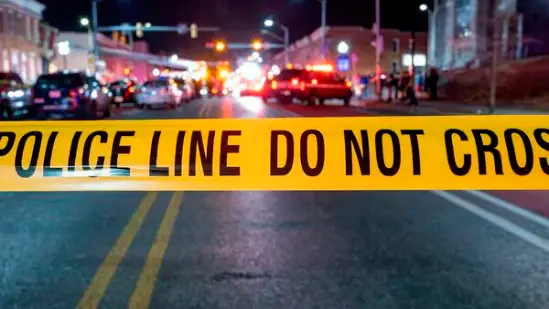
(16, 93)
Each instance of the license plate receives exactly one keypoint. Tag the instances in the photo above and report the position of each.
(54, 94)
(53, 107)
(118, 99)
(286, 92)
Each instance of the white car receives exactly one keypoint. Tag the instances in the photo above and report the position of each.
(159, 92)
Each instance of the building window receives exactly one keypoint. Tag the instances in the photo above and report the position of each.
(394, 67)
(15, 61)
(32, 67)
(11, 22)
(5, 60)
(36, 29)
(39, 68)
(28, 28)
(20, 26)
(395, 45)
(24, 65)
(2, 19)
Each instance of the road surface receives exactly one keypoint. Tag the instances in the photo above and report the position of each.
(269, 249)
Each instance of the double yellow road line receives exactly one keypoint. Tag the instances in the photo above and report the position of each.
(143, 291)
(205, 109)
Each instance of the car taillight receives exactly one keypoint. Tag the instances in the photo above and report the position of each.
(131, 89)
(314, 82)
(295, 81)
(274, 84)
(349, 84)
(76, 92)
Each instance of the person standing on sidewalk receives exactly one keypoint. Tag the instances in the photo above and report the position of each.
(392, 85)
(432, 84)
(403, 82)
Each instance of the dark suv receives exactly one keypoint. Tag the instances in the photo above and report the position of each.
(307, 85)
(70, 95)
(123, 91)
(15, 96)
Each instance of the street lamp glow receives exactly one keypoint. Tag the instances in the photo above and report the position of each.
(342, 47)
(84, 21)
(147, 25)
(423, 7)
(268, 23)
(64, 48)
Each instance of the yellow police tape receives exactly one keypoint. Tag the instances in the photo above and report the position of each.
(373, 153)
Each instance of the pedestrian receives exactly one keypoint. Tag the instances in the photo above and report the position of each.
(433, 84)
(364, 80)
(392, 85)
(410, 94)
(405, 79)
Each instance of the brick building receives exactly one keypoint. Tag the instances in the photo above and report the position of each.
(394, 58)
(20, 37)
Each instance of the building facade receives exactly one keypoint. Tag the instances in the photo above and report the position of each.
(395, 57)
(20, 38)
(465, 33)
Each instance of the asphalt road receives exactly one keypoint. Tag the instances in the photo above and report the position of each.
(268, 249)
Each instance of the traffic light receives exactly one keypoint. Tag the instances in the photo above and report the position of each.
(257, 45)
(220, 46)
(123, 39)
(139, 30)
(116, 36)
(194, 31)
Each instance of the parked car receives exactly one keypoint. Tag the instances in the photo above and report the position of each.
(70, 94)
(159, 92)
(123, 91)
(14, 96)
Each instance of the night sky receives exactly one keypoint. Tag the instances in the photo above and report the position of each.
(240, 20)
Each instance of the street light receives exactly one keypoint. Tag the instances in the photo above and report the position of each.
(269, 23)
(430, 33)
(342, 47)
(85, 22)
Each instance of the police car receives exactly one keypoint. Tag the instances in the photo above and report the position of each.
(310, 84)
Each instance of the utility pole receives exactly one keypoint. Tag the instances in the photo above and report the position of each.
(324, 4)
(495, 52)
(413, 54)
(378, 48)
(286, 44)
(95, 44)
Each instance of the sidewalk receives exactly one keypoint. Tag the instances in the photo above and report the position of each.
(441, 107)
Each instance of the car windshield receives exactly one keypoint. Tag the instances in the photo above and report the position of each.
(10, 79)
(59, 81)
(286, 75)
(156, 83)
(122, 83)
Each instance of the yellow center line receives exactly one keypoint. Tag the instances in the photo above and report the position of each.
(96, 290)
(203, 108)
(208, 112)
(141, 297)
